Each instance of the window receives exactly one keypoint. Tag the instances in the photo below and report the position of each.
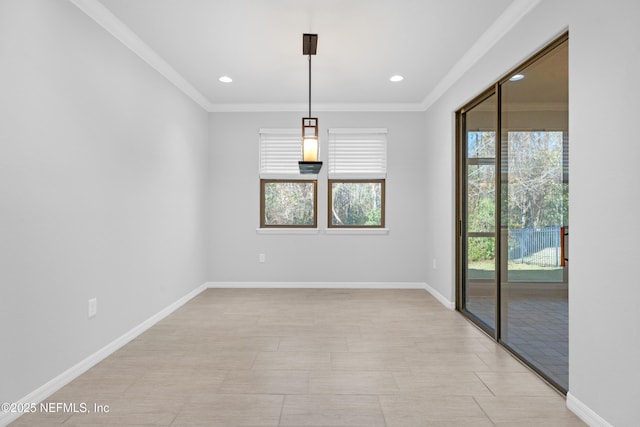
(356, 203)
(288, 203)
(287, 198)
(357, 174)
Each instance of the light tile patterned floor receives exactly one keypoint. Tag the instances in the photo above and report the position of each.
(278, 357)
(537, 328)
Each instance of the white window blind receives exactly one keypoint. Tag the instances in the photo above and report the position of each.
(280, 151)
(357, 154)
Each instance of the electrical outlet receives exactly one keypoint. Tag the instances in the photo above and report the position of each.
(262, 258)
(93, 307)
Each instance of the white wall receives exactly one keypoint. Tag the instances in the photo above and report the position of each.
(604, 63)
(604, 290)
(103, 176)
(235, 194)
(104, 192)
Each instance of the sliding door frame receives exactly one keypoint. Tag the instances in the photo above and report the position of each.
(460, 205)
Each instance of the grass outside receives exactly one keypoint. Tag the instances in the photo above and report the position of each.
(518, 272)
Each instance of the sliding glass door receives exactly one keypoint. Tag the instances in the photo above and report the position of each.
(479, 211)
(513, 224)
(534, 214)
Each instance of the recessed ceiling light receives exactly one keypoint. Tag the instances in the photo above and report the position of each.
(516, 77)
(396, 78)
(225, 79)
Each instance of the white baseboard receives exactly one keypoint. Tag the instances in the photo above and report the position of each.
(317, 285)
(441, 298)
(75, 371)
(585, 413)
(336, 285)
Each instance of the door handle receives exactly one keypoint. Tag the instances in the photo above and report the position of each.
(563, 234)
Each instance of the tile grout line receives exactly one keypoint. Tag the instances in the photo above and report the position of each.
(483, 411)
(384, 417)
(484, 384)
(284, 398)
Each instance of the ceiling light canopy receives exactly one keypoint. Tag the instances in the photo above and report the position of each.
(225, 79)
(397, 78)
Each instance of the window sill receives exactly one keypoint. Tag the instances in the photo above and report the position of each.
(288, 231)
(330, 231)
(357, 231)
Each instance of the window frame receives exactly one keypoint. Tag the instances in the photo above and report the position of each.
(330, 183)
(363, 160)
(265, 181)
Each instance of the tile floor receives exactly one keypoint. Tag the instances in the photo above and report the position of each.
(537, 328)
(307, 357)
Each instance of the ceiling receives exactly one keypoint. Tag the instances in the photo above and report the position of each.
(258, 43)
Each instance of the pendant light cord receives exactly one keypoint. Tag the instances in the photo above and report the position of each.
(309, 85)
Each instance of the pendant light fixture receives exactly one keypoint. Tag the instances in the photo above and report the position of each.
(309, 163)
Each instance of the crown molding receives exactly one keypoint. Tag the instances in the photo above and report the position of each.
(107, 20)
(505, 22)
